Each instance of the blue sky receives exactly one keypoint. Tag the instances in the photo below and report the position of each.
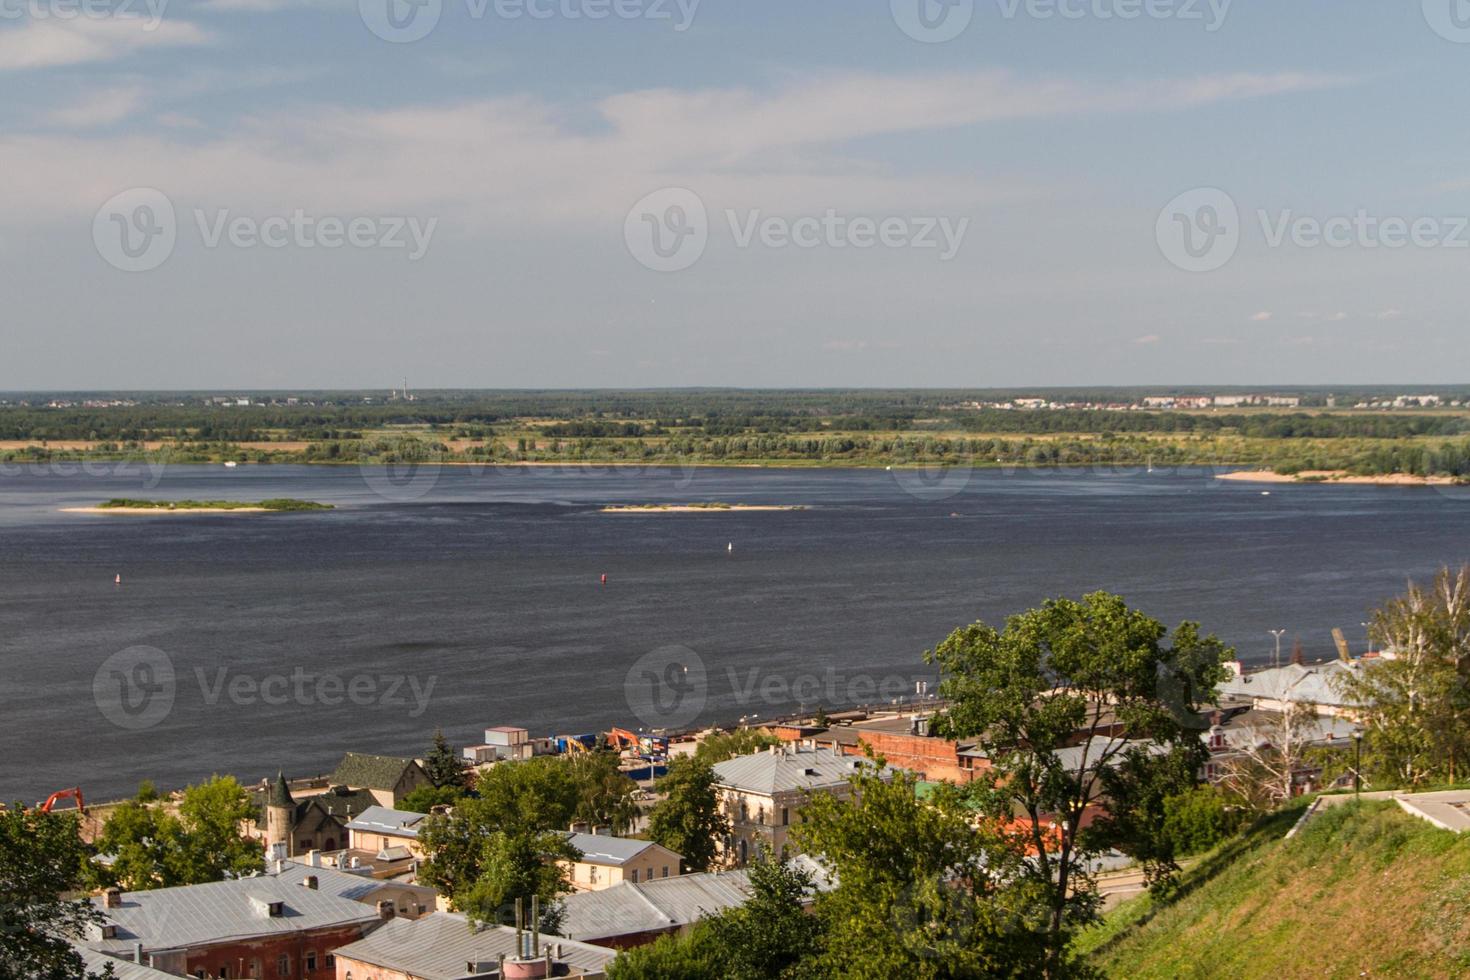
(520, 148)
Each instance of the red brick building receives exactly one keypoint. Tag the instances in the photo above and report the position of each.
(268, 926)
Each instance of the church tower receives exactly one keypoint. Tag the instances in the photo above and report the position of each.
(280, 818)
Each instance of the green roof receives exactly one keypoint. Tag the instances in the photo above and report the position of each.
(279, 793)
(370, 771)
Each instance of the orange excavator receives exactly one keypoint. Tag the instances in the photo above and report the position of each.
(74, 793)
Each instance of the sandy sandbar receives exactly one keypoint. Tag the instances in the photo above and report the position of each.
(1339, 477)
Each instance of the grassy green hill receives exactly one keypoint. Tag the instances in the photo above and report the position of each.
(1366, 891)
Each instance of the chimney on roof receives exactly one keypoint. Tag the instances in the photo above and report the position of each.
(314, 858)
(112, 898)
(138, 954)
(385, 910)
(309, 882)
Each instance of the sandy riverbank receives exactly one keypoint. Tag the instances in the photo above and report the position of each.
(1338, 477)
(692, 508)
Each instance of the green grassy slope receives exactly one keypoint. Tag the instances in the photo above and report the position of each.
(1359, 892)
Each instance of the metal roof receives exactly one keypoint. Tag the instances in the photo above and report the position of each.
(652, 906)
(600, 849)
(96, 962)
(783, 769)
(197, 915)
(1312, 683)
(386, 820)
(438, 946)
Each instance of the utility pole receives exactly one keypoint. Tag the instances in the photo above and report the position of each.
(1369, 628)
(1278, 634)
(1357, 766)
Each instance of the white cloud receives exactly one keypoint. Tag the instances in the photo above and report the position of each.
(54, 43)
(99, 110)
(518, 160)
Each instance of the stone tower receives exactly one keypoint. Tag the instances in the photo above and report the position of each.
(280, 817)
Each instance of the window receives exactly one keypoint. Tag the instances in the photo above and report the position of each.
(785, 816)
(332, 961)
(310, 963)
(666, 871)
(592, 874)
(283, 965)
(634, 879)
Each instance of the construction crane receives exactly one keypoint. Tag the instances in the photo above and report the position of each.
(74, 793)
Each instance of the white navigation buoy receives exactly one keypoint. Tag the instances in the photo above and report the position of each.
(730, 547)
(117, 580)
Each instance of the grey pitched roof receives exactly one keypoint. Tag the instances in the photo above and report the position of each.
(438, 946)
(784, 769)
(196, 915)
(652, 906)
(96, 962)
(386, 820)
(332, 881)
(599, 849)
(1309, 683)
(370, 771)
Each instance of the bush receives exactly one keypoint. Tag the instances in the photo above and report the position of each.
(1196, 821)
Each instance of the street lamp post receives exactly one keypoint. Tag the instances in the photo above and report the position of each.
(1278, 634)
(1357, 766)
(1369, 628)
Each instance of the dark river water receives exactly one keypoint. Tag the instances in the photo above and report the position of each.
(462, 598)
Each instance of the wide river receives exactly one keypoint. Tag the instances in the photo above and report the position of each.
(466, 598)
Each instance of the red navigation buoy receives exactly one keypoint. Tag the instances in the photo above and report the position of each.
(604, 578)
(117, 580)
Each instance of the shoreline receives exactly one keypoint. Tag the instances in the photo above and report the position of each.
(1337, 477)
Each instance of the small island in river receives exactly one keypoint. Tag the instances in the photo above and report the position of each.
(126, 506)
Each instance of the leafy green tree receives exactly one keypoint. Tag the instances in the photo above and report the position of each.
(1417, 704)
(690, 957)
(425, 798)
(688, 820)
(442, 766)
(505, 843)
(771, 935)
(42, 856)
(155, 848)
(1197, 820)
(520, 865)
(605, 796)
(716, 748)
(484, 863)
(922, 891)
(1094, 676)
(1140, 786)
